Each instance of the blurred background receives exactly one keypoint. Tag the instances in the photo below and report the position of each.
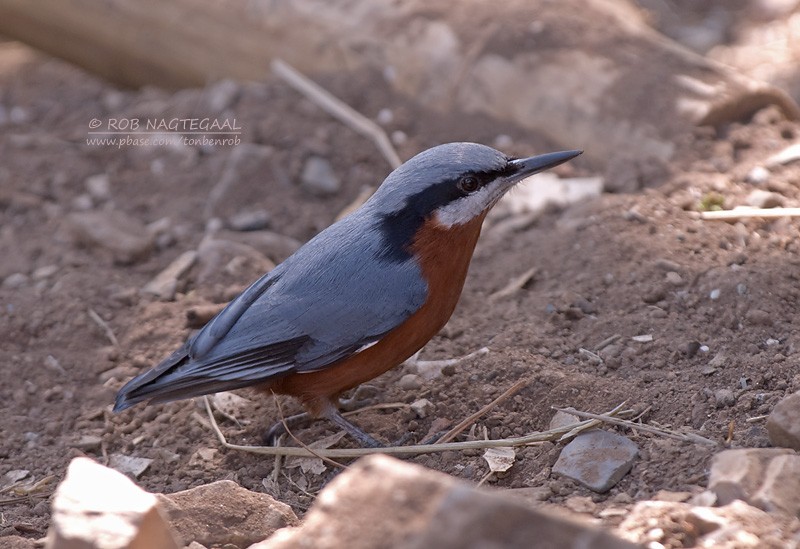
(155, 159)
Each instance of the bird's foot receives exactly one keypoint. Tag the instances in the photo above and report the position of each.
(279, 428)
(363, 438)
(363, 396)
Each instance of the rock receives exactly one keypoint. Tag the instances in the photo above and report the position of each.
(410, 382)
(562, 419)
(383, 502)
(98, 186)
(738, 474)
(319, 178)
(759, 198)
(18, 542)
(123, 236)
(221, 95)
(422, 407)
(88, 443)
(15, 281)
(597, 459)
(780, 490)
(782, 424)
(674, 278)
(758, 175)
(165, 284)
(724, 398)
(130, 465)
(44, 272)
(254, 220)
(98, 508)
(672, 524)
(274, 246)
(758, 317)
(245, 163)
(223, 260)
(225, 513)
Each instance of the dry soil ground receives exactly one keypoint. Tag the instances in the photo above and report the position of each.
(719, 299)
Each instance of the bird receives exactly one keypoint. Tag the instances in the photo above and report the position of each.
(356, 300)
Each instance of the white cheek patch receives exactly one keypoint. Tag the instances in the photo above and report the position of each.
(467, 208)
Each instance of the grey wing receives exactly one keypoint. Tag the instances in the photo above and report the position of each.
(329, 313)
(320, 305)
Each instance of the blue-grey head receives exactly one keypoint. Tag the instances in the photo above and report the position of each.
(451, 184)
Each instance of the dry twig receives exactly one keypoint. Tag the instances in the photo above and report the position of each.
(338, 109)
(511, 391)
(533, 438)
(746, 213)
(514, 285)
(104, 326)
(605, 418)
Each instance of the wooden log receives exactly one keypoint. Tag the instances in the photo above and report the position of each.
(587, 74)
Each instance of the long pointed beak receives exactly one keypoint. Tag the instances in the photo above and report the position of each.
(535, 164)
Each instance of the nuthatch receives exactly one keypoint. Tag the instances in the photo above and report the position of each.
(356, 300)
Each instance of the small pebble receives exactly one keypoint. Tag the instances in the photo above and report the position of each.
(714, 295)
(410, 382)
(741, 289)
(422, 407)
(385, 116)
(399, 138)
(44, 272)
(319, 178)
(758, 175)
(15, 280)
(255, 220)
(98, 186)
(674, 278)
(724, 398)
(760, 198)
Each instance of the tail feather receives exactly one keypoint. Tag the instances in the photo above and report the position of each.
(141, 387)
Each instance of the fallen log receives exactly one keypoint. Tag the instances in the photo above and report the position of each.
(591, 74)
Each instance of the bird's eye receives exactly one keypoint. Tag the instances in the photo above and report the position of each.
(468, 184)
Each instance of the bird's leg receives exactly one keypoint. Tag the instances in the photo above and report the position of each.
(278, 428)
(362, 396)
(363, 438)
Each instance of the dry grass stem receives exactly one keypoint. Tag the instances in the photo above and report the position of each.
(338, 453)
(455, 431)
(514, 285)
(109, 333)
(338, 109)
(746, 213)
(685, 437)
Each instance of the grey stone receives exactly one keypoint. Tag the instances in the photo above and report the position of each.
(737, 474)
(562, 419)
(422, 407)
(597, 459)
(125, 237)
(410, 382)
(319, 178)
(759, 198)
(15, 281)
(98, 186)
(783, 425)
(724, 398)
(221, 95)
(254, 220)
(44, 272)
(780, 489)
